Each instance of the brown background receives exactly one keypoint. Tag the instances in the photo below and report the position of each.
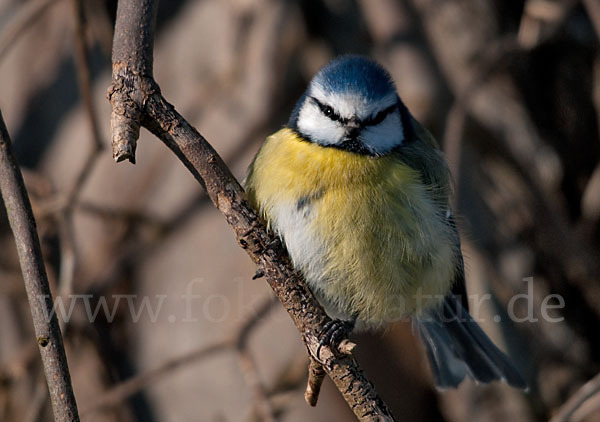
(511, 90)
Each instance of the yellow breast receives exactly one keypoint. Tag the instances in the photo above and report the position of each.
(370, 238)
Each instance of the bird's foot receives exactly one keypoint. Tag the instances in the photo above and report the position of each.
(332, 335)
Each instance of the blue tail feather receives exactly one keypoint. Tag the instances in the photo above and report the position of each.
(457, 347)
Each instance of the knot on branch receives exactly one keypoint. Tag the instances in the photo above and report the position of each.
(128, 95)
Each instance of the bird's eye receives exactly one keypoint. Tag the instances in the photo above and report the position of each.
(380, 117)
(328, 111)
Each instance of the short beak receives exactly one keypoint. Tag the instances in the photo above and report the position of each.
(353, 124)
(352, 128)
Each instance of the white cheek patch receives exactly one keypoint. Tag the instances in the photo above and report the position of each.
(383, 137)
(313, 124)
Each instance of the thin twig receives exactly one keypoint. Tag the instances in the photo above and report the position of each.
(127, 388)
(45, 323)
(107, 212)
(82, 66)
(84, 80)
(26, 16)
(133, 44)
(568, 409)
(248, 366)
(65, 204)
(292, 377)
(457, 116)
(316, 375)
(135, 384)
(38, 402)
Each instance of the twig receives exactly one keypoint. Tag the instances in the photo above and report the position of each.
(292, 377)
(252, 379)
(129, 216)
(45, 323)
(457, 116)
(68, 247)
(64, 205)
(68, 258)
(248, 367)
(316, 375)
(135, 384)
(23, 21)
(128, 388)
(136, 100)
(244, 331)
(38, 402)
(133, 45)
(85, 89)
(568, 409)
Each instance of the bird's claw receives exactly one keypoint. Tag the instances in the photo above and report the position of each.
(332, 335)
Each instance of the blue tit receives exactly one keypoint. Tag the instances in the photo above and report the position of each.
(359, 192)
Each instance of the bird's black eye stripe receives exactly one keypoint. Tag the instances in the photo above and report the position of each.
(380, 117)
(327, 110)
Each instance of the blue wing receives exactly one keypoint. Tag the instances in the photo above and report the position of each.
(457, 347)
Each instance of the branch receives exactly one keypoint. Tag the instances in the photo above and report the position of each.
(84, 82)
(133, 49)
(248, 366)
(23, 20)
(65, 212)
(316, 374)
(136, 100)
(567, 410)
(45, 323)
(133, 385)
(237, 342)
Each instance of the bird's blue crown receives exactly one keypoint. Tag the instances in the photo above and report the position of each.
(356, 75)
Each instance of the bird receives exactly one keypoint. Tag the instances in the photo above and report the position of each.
(359, 192)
